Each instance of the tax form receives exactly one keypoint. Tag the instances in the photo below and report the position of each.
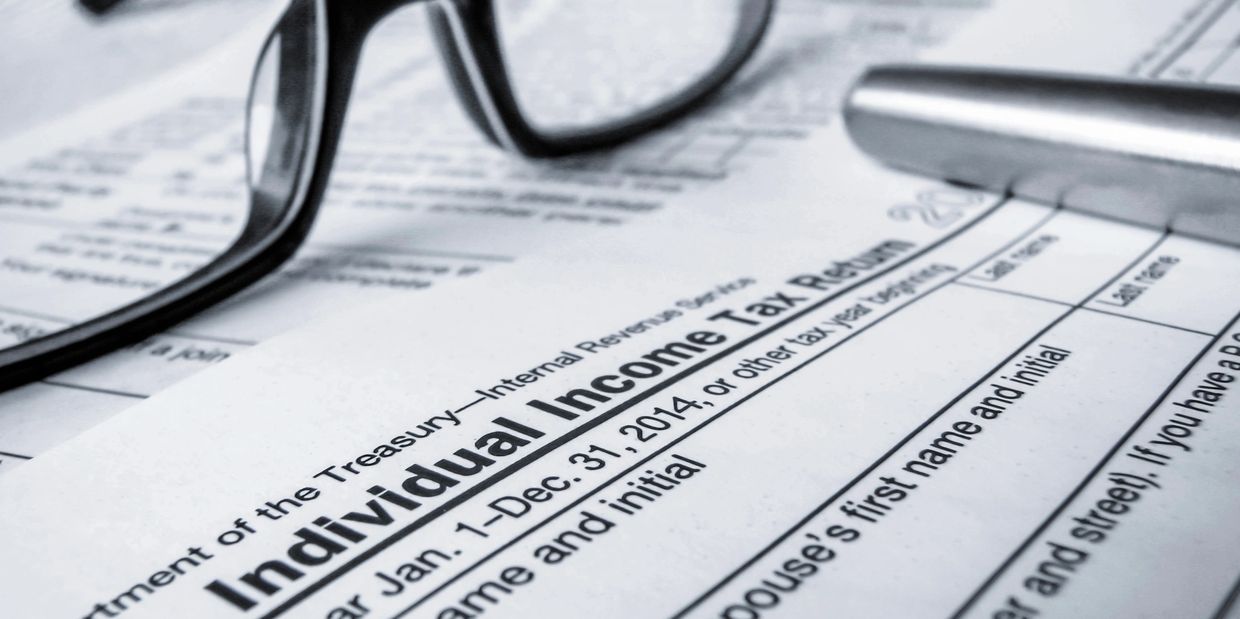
(106, 206)
(879, 397)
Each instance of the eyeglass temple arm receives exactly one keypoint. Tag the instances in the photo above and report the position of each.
(273, 232)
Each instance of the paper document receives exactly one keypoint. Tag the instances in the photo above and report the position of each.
(81, 55)
(109, 205)
(881, 397)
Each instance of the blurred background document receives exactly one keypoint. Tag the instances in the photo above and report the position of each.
(880, 397)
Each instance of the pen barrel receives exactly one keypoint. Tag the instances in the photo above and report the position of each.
(1154, 153)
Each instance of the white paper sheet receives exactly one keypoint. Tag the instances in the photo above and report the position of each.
(60, 57)
(880, 397)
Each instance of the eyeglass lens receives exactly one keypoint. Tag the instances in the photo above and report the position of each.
(593, 63)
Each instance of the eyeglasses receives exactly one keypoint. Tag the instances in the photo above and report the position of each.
(301, 87)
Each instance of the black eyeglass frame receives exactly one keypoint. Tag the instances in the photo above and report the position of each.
(313, 103)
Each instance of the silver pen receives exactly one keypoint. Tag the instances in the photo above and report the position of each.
(1161, 154)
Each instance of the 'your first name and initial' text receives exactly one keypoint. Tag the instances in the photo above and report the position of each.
(398, 507)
